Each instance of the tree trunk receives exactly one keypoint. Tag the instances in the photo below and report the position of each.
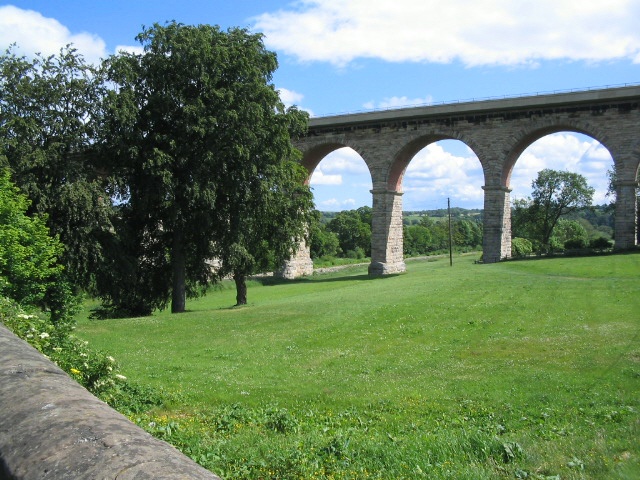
(241, 288)
(178, 271)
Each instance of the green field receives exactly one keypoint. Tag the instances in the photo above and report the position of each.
(526, 369)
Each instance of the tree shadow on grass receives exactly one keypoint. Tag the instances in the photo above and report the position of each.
(272, 281)
(102, 313)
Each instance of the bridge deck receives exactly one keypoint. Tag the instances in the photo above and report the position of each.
(607, 95)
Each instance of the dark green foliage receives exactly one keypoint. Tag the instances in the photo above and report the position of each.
(49, 116)
(575, 243)
(587, 228)
(569, 232)
(456, 212)
(432, 236)
(266, 214)
(134, 277)
(598, 218)
(345, 234)
(30, 272)
(423, 235)
(417, 240)
(467, 233)
(322, 242)
(202, 145)
(353, 229)
(600, 243)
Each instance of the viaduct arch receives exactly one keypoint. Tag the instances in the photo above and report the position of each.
(497, 131)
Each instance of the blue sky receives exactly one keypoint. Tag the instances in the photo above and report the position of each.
(340, 56)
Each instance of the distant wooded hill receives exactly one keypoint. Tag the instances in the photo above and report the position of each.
(597, 218)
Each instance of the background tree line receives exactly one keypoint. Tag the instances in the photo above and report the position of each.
(347, 234)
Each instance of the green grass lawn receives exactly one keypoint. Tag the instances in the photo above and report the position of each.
(525, 369)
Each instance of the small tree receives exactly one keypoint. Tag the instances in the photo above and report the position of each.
(554, 194)
(266, 224)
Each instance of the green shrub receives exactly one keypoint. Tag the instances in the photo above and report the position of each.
(521, 247)
(94, 370)
(600, 243)
(575, 243)
(30, 272)
(357, 253)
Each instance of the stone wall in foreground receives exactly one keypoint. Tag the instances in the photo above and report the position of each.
(52, 428)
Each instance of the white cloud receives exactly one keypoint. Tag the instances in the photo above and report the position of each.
(333, 204)
(598, 151)
(344, 160)
(482, 32)
(34, 33)
(436, 173)
(320, 178)
(289, 97)
(341, 181)
(563, 151)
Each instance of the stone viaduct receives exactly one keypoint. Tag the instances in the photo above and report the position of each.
(497, 131)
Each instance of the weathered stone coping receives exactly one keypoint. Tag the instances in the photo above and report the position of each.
(550, 100)
(53, 428)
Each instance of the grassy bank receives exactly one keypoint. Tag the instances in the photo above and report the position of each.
(513, 370)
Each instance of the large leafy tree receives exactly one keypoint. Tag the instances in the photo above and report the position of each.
(554, 194)
(49, 112)
(200, 140)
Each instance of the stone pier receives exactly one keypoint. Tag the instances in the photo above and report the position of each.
(386, 233)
